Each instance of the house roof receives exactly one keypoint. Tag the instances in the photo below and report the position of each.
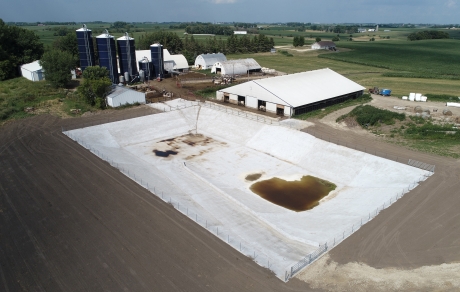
(297, 89)
(32, 67)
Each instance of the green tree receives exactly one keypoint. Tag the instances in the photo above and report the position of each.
(335, 39)
(57, 65)
(95, 86)
(318, 39)
(68, 43)
(95, 73)
(17, 46)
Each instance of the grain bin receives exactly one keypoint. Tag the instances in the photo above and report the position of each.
(108, 54)
(127, 56)
(85, 47)
(156, 51)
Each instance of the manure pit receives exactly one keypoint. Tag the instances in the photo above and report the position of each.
(294, 195)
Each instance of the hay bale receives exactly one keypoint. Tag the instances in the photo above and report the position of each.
(447, 112)
(418, 109)
(426, 111)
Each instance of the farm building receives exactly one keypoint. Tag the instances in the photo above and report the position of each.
(33, 71)
(323, 45)
(236, 67)
(240, 32)
(206, 61)
(171, 62)
(293, 94)
(174, 62)
(121, 95)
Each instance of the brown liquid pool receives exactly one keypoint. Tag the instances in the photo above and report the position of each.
(294, 195)
(253, 177)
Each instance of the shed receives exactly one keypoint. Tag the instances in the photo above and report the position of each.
(293, 94)
(206, 61)
(121, 95)
(236, 67)
(174, 62)
(171, 62)
(33, 71)
(323, 45)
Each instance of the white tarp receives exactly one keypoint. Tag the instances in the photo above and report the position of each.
(454, 104)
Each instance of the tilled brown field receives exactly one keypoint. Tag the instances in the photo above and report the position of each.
(71, 222)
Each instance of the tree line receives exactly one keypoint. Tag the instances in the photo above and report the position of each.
(191, 48)
(17, 46)
(428, 35)
(209, 29)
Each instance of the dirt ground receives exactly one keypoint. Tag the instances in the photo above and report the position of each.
(71, 222)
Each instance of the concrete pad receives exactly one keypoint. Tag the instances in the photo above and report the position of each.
(205, 179)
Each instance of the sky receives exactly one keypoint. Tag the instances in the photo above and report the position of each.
(316, 11)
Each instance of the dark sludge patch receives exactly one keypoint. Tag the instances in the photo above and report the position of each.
(164, 153)
(294, 195)
(168, 140)
(253, 177)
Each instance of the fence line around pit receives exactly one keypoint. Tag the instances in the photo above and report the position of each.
(323, 248)
(261, 258)
(368, 150)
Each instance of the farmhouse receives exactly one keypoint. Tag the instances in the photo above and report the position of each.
(236, 67)
(33, 71)
(240, 32)
(121, 95)
(206, 61)
(323, 45)
(293, 94)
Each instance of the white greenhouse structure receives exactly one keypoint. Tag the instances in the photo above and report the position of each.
(121, 95)
(33, 71)
(236, 67)
(206, 61)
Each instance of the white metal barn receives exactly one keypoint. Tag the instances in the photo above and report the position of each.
(236, 67)
(33, 71)
(323, 45)
(170, 62)
(121, 95)
(174, 62)
(206, 61)
(293, 94)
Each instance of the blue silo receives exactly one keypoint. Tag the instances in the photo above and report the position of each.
(127, 56)
(156, 51)
(108, 55)
(85, 47)
(147, 67)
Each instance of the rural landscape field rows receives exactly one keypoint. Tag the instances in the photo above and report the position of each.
(159, 174)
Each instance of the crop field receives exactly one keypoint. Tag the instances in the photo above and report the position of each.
(422, 59)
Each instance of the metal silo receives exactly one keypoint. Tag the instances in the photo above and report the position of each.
(127, 56)
(156, 51)
(108, 55)
(147, 67)
(85, 47)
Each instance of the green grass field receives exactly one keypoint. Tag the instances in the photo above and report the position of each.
(427, 58)
(430, 67)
